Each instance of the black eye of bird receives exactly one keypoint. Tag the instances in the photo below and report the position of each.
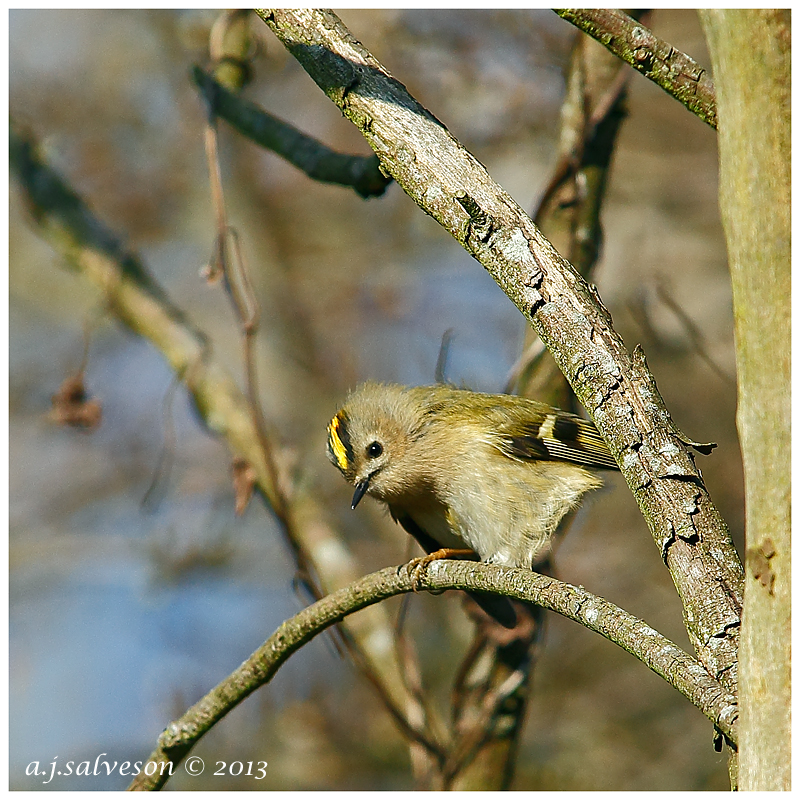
(374, 450)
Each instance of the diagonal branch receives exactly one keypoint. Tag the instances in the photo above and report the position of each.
(676, 73)
(616, 387)
(655, 651)
(319, 162)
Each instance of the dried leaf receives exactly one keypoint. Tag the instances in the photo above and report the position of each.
(72, 407)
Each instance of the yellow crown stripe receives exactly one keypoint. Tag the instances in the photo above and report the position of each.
(337, 446)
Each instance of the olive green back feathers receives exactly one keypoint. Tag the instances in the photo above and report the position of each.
(494, 474)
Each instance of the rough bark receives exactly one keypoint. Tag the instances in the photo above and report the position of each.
(675, 72)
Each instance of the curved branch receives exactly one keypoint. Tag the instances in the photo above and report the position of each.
(361, 173)
(636, 637)
(676, 73)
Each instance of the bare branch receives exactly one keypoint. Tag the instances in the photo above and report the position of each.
(676, 73)
(362, 173)
(662, 656)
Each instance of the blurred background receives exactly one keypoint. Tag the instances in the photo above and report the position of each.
(123, 613)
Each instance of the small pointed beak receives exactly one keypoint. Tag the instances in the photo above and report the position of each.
(361, 490)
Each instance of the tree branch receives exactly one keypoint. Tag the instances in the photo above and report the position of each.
(636, 637)
(617, 389)
(676, 73)
(361, 173)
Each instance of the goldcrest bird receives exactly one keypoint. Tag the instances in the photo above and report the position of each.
(490, 473)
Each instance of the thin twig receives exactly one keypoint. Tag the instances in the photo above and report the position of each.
(238, 285)
(528, 359)
(155, 491)
(414, 726)
(695, 334)
(236, 279)
(481, 730)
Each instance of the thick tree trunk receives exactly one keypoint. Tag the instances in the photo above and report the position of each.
(751, 57)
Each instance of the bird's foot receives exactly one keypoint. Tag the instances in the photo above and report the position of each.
(417, 566)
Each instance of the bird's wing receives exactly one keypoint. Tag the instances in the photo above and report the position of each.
(544, 433)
